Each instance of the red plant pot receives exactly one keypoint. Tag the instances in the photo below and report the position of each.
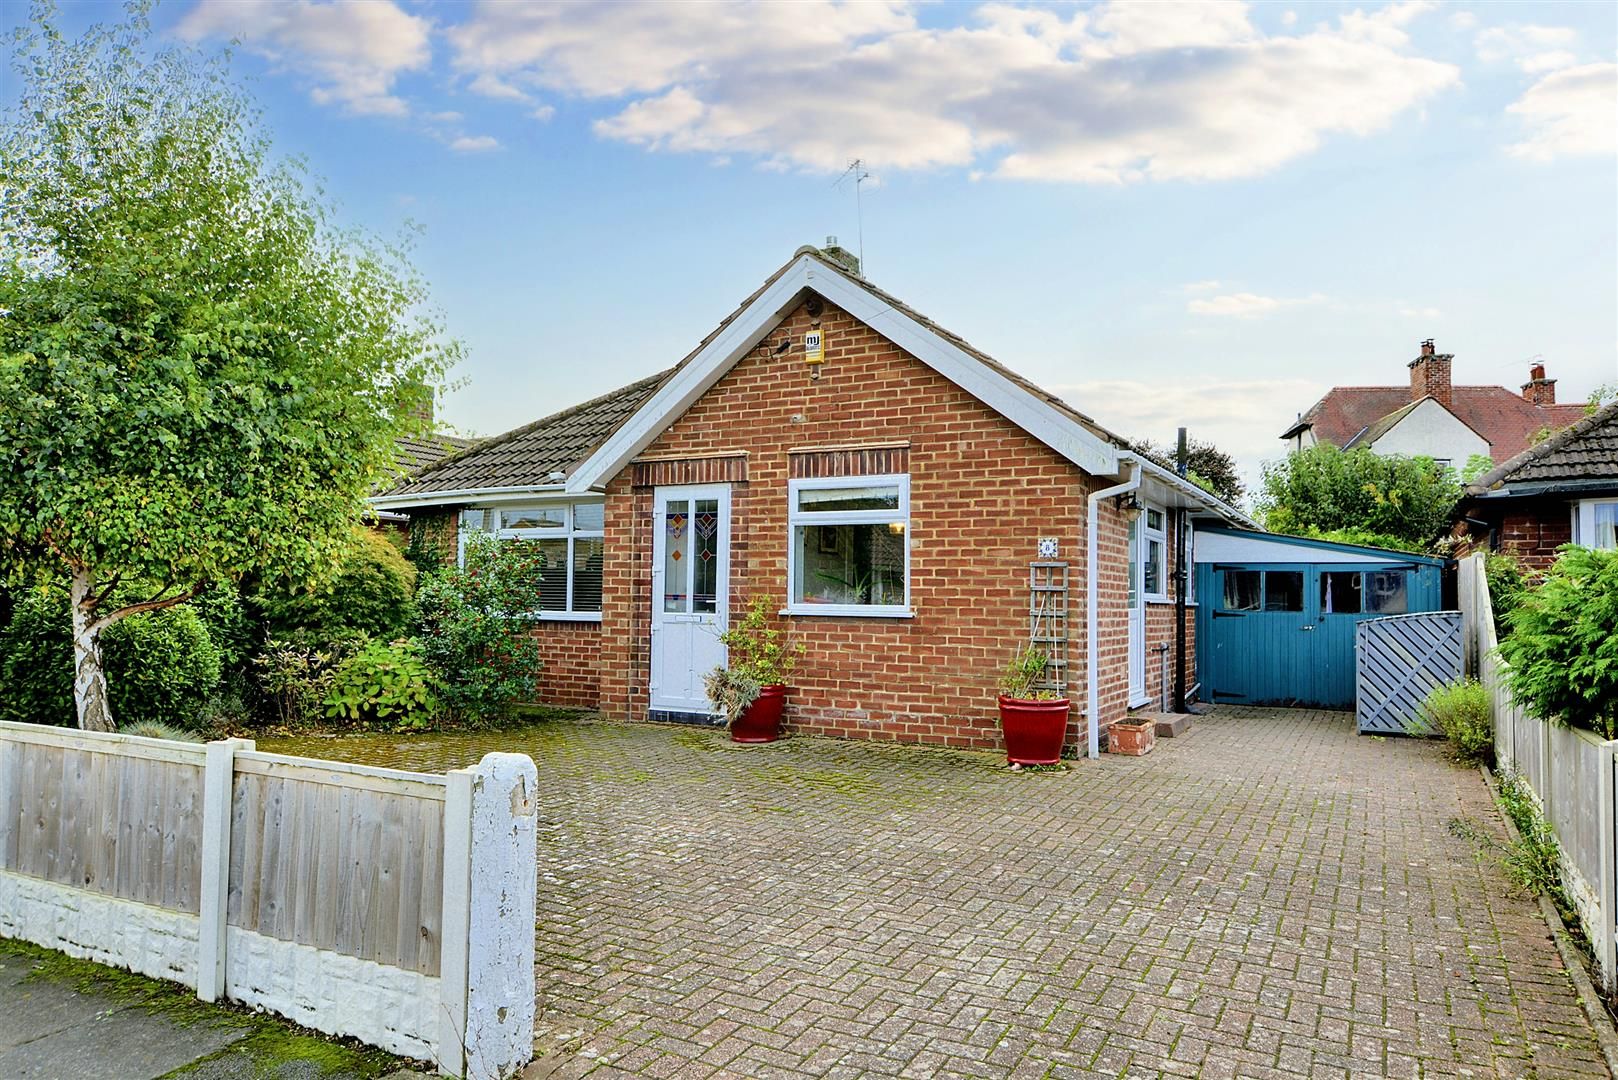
(761, 721)
(1034, 730)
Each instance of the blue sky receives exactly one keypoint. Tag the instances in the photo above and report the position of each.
(1200, 214)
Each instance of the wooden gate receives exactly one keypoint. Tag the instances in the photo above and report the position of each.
(1398, 661)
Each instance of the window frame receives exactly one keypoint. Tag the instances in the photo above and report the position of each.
(797, 517)
(566, 531)
(1584, 521)
(1146, 536)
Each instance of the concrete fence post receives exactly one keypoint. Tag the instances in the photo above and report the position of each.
(490, 878)
(218, 781)
(1606, 948)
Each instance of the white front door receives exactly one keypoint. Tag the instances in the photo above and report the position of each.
(1137, 620)
(690, 592)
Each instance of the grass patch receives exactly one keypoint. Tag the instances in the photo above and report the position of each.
(268, 1042)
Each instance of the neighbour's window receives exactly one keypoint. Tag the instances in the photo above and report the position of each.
(849, 550)
(567, 540)
(1595, 524)
(1241, 590)
(1283, 590)
(1154, 577)
(1340, 592)
(1386, 592)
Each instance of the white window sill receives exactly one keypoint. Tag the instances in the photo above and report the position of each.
(1167, 600)
(847, 611)
(566, 616)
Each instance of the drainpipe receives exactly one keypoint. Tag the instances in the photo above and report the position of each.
(1092, 574)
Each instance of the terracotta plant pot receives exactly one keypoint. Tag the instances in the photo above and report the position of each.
(1133, 737)
(761, 721)
(1034, 730)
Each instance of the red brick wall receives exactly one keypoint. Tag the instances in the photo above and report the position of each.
(982, 492)
(1530, 529)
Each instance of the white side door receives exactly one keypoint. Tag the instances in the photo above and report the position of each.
(690, 592)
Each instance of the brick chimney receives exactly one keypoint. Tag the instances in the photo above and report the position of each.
(1429, 375)
(841, 256)
(1538, 389)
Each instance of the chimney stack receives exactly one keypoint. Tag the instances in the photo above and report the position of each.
(1539, 390)
(841, 256)
(1430, 375)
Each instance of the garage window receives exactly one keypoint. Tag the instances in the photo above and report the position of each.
(1283, 590)
(1386, 592)
(1241, 591)
(1340, 592)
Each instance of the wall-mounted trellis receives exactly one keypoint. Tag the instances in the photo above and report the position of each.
(1048, 619)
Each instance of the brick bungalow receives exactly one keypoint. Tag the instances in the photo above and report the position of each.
(1562, 491)
(883, 483)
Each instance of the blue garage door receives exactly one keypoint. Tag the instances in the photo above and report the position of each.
(1283, 633)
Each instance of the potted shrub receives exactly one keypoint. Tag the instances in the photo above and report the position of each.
(1133, 735)
(1033, 721)
(751, 691)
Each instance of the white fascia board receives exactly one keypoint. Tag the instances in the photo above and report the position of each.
(1189, 491)
(1039, 418)
(528, 493)
(692, 381)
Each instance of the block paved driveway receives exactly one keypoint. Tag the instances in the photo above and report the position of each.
(1271, 896)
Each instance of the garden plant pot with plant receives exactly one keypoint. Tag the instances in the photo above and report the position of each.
(1034, 721)
(751, 692)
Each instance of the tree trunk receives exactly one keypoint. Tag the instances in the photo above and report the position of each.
(89, 681)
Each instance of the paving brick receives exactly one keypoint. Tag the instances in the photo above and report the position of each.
(1267, 896)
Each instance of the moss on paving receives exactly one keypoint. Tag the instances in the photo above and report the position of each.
(269, 1043)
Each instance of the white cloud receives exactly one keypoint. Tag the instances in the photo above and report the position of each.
(1243, 417)
(543, 113)
(1245, 305)
(1201, 286)
(1533, 49)
(1569, 112)
(474, 144)
(350, 51)
(1118, 93)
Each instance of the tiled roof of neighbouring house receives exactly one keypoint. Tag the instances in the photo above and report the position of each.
(527, 456)
(412, 455)
(1507, 420)
(1584, 452)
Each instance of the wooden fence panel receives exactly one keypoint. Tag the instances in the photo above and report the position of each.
(340, 858)
(1399, 660)
(122, 825)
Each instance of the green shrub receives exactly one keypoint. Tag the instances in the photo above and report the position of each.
(156, 729)
(386, 682)
(294, 681)
(1462, 713)
(160, 665)
(759, 649)
(1507, 582)
(367, 596)
(475, 631)
(1563, 646)
(221, 610)
(36, 659)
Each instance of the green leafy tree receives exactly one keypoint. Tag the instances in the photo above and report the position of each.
(202, 376)
(1476, 466)
(1207, 466)
(369, 595)
(1563, 647)
(1322, 490)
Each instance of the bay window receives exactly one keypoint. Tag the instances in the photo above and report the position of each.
(848, 547)
(568, 540)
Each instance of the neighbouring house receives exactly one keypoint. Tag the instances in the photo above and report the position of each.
(912, 510)
(1562, 491)
(1433, 418)
(412, 455)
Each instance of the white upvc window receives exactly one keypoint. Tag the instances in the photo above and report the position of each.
(568, 540)
(848, 546)
(1595, 523)
(1154, 554)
